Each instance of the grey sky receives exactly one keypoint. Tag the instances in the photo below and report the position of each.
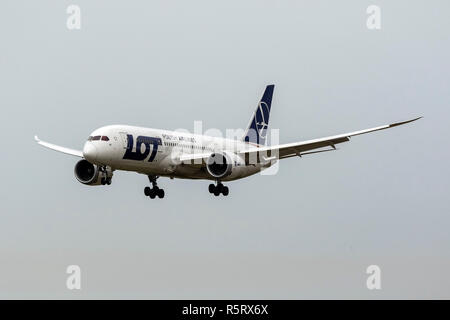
(308, 232)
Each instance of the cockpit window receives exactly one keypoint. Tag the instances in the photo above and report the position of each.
(90, 138)
(105, 138)
(96, 138)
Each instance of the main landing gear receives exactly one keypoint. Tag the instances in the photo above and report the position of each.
(218, 189)
(155, 191)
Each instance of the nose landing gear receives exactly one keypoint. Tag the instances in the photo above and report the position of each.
(106, 173)
(155, 191)
(218, 189)
(105, 181)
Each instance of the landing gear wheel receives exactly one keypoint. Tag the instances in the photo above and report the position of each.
(105, 175)
(225, 190)
(218, 189)
(155, 191)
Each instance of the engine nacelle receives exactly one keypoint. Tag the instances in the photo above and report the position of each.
(220, 164)
(89, 174)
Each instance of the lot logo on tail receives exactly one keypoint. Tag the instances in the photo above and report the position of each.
(262, 119)
(257, 129)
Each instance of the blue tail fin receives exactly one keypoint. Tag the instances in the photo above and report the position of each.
(257, 128)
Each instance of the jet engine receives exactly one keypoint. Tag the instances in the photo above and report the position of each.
(90, 174)
(219, 165)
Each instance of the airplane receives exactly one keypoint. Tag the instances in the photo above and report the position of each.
(163, 153)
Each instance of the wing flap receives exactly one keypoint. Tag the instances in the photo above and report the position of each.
(298, 149)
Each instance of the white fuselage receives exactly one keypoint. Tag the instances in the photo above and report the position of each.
(157, 152)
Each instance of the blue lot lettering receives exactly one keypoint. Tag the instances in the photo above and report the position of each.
(140, 155)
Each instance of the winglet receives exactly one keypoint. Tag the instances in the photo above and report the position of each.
(404, 122)
(36, 138)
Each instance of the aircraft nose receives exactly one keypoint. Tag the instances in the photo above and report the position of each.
(90, 152)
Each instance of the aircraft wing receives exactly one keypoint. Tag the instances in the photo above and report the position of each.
(72, 152)
(297, 148)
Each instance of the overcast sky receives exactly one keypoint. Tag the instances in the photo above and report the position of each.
(309, 231)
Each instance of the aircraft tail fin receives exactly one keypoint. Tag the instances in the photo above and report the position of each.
(257, 128)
